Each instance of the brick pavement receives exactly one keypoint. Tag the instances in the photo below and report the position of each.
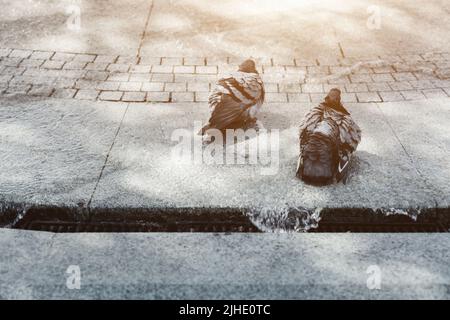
(190, 79)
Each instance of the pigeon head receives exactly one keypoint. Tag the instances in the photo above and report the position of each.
(248, 66)
(333, 100)
(334, 97)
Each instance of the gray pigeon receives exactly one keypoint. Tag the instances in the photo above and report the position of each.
(328, 138)
(236, 100)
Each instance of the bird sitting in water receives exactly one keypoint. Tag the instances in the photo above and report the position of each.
(328, 138)
(236, 100)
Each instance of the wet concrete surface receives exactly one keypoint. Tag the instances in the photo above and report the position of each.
(219, 266)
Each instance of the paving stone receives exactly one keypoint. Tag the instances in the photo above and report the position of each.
(434, 93)
(41, 91)
(356, 87)
(96, 75)
(206, 69)
(195, 78)
(153, 86)
(11, 62)
(368, 97)
(382, 77)
(391, 96)
(154, 61)
(132, 96)
(162, 77)
(216, 61)
(87, 94)
(276, 97)
(360, 78)
(127, 60)
(348, 97)
(158, 96)
(84, 57)
(15, 71)
(274, 70)
(379, 86)
(184, 69)
(50, 64)
(5, 52)
(130, 86)
(400, 86)
(296, 70)
(115, 67)
(96, 66)
(18, 53)
(441, 83)
(64, 93)
(105, 59)
(19, 88)
(316, 97)
(41, 55)
(318, 70)
(283, 61)
(108, 86)
(201, 96)
(194, 61)
(86, 84)
(299, 97)
(412, 95)
(175, 87)
(312, 88)
(59, 56)
(386, 69)
(63, 83)
(404, 76)
(162, 69)
(328, 61)
(172, 61)
(341, 80)
(119, 77)
(424, 75)
(271, 87)
(182, 96)
(422, 84)
(198, 87)
(73, 74)
(111, 95)
(140, 77)
(74, 65)
(290, 88)
(300, 62)
(141, 69)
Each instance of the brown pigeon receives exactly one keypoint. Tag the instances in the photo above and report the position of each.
(328, 139)
(236, 100)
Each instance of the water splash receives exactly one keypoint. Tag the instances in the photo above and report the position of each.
(10, 213)
(285, 219)
(411, 213)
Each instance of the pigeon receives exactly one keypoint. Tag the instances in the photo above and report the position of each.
(328, 139)
(236, 100)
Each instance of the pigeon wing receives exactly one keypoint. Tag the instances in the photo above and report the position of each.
(226, 112)
(310, 121)
(350, 133)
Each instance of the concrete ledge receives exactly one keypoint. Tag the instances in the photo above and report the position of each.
(98, 158)
(58, 219)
